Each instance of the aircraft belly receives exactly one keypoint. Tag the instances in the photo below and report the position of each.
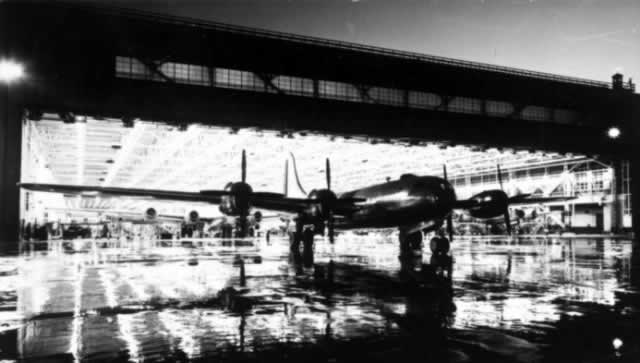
(385, 215)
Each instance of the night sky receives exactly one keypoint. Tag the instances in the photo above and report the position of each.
(581, 38)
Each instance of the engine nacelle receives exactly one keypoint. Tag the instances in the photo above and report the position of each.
(489, 204)
(193, 217)
(238, 203)
(326, 200)
(150, 214)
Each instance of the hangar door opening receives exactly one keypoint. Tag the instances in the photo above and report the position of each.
(82, 150)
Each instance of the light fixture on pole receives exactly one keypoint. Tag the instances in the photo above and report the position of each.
(613, 132)
(10, 71)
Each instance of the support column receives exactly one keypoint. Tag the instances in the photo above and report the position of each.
(634, 166)
(617, 204)
(10, 160)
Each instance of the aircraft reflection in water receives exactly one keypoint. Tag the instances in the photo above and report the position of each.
(348, 298)
(415, 205)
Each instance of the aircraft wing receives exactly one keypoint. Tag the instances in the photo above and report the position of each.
(209, 196)
(343, 206)
(281, 204)
(528, 199)
(262, 200)
(515, 200)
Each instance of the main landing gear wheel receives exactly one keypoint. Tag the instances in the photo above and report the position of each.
(294, 241)
(410, 243)
(440, 259)
(439, 245)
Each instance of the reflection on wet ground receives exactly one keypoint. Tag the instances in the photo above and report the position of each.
(524, 300)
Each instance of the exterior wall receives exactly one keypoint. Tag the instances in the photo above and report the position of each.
(10, 161)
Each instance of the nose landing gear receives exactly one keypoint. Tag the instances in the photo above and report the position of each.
(441, 260)
(410, 243)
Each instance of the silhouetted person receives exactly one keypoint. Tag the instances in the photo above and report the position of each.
(295, 258)
(27, 232)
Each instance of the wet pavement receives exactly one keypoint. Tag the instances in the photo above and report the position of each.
(521, 300)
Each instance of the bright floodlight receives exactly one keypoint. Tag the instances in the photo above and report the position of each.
(613, 132)
(617, 343)
(10, 71)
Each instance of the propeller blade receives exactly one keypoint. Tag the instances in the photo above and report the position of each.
(295, 173)
(330, 226)
(244, 166)
(450, 226)
(500, 177)
(328, 172)
(450, 216)
(286, 177)
(507, 220)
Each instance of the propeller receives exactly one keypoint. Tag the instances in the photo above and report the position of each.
(244, 166)
(330, 219)
(507, 218)
(450, 216)
(328, 173)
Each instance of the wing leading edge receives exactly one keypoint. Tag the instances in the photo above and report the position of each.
(263, 200)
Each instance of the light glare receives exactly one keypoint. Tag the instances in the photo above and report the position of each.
(613, 132)
(10, 71)
(617, 343)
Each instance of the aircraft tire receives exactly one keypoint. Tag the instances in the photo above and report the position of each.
(294, 241)
(439, 245)
(441, 260)
(415, 241)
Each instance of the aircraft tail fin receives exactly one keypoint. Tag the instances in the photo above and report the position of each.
(295, 173)
(285, 187)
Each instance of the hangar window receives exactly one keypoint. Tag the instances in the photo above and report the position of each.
(465, 105)
(601, 180)
(423, 100)
(582, 182)
(186, 73)
(537, 173)
(127, 67)
(387, 96)
(338, 90)
(123, 65)
(555, 170)
(459, 182)
(232, 78)
(537, 113)
(521, 174)
(294, 85)
(490, 178)
(497, 108)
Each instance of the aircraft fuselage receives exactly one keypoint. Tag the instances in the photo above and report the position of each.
(405, 202)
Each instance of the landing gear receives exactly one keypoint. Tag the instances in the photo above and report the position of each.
(439, 245)
(302, 235)
(441, 261)
(410, 243)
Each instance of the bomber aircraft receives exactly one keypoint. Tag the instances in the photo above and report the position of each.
(413, 204)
